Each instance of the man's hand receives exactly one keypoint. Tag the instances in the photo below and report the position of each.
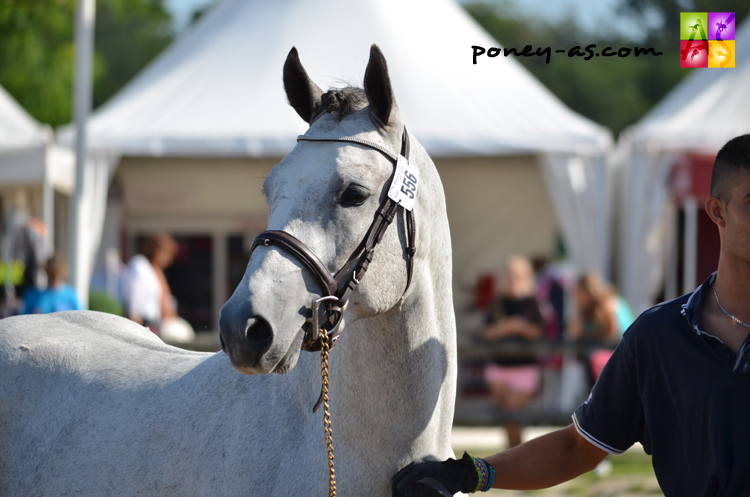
(436, 479)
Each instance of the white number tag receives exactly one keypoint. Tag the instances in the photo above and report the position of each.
(405, 181)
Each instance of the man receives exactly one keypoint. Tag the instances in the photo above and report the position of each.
(679, 383)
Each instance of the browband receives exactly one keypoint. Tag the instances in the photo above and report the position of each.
(352, 139)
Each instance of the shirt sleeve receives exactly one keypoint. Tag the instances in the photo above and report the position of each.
(612, 417)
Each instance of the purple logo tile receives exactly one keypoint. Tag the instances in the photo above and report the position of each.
(721, 25)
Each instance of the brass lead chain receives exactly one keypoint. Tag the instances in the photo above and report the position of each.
(325, 373)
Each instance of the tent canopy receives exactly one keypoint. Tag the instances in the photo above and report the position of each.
(27, 152)
(698, 116)
(218, 90)
(706, 109)
(18, 130)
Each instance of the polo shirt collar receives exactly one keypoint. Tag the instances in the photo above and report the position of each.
(692, 308)
(692, 312)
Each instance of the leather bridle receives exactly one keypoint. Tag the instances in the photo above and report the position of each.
(327, 311)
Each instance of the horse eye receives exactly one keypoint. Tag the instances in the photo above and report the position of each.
(354, 196)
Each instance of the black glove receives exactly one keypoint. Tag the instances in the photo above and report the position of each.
(436, 479)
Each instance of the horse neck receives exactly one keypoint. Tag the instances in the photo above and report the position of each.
(394, 375)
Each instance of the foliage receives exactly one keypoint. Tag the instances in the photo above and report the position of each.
(36, 56)
(37, 51)
(129, 34)
(612, 91)
(102, 302)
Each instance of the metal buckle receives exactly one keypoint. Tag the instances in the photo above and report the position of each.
(315, 321)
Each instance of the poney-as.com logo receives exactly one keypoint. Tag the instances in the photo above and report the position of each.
(707, 39)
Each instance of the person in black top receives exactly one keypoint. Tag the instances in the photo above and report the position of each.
(513, 382)
(678, 383)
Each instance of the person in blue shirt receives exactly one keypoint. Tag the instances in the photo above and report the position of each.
(58, 296)
(678, 383)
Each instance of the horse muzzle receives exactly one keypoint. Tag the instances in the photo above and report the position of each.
(250, 342)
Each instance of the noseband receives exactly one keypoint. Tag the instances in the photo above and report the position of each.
(327, 311)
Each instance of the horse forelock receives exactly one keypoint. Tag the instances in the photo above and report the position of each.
(343, 101)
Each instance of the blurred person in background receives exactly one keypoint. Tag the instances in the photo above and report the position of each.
(57, 296)
(595, 321)
(148, 298)
(516, 314)
(595, 318)
(623, 313)
(550, 293)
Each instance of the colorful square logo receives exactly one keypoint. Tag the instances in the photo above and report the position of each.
(693, 25)
(721, 25)
(707, 39)
(721, 53)
(693, 53)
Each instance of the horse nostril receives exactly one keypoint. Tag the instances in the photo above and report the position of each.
(223, 345)
(259, 335)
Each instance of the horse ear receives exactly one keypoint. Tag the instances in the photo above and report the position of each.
(378, 87)
(303, 94)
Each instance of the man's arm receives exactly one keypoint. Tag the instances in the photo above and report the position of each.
(545, 461)
(539, 463)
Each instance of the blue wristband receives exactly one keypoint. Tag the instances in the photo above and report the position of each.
(491, 478)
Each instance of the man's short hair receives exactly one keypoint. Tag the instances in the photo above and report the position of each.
(733, 157)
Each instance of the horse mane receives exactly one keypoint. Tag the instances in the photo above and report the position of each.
(341, 102)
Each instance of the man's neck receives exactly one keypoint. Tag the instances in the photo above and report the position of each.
(733, 288)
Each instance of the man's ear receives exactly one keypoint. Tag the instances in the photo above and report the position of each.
(716, 210)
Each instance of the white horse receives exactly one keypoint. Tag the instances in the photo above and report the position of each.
(92, 404)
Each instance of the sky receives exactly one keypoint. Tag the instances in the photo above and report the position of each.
(182, 10)
(593, 15)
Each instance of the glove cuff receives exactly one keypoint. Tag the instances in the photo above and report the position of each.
(478, 474)
(469, 477)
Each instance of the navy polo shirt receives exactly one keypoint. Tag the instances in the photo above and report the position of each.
(683, 394)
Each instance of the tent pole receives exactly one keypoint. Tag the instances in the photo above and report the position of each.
(82, 99)
(690, 278)
(48, 215)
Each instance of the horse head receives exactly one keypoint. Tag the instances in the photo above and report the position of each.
(326, 195)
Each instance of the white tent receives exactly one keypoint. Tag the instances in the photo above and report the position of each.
(29, 160)
(698, 116)
(27, 154)
(217, 92)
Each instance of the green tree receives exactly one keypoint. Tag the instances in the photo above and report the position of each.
(129, 34)
(36, 56)
(37, 52)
